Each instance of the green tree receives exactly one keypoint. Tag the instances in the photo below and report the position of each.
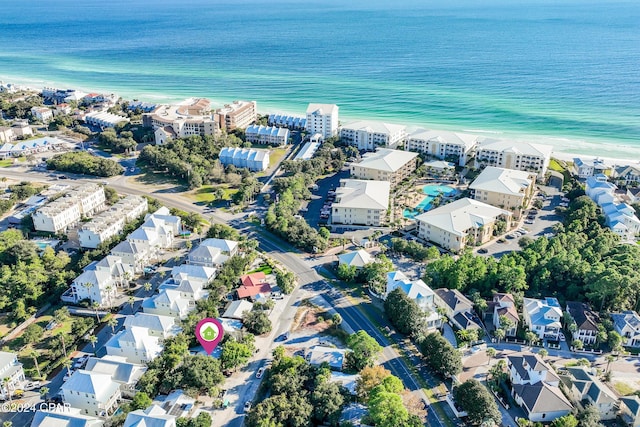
(440, 355)
(32, 333)
(369, 378)
(475, 399)
(223, 231)
(140, 401)
(347, 272)
(286, 281)
(567, 421)
(404, 313)
(364, 350)
(387, 410)
(257, 322)
(327, 401)
(235, 354)
(589, 416)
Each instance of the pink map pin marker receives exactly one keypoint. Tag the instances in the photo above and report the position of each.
(209, 332)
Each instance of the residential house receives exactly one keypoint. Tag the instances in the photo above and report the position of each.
(121, 272)
(189, 288)
(12, 369)
(157, 232)
(252, 285)
(197, 272)
(458, 308)
(177, 403)
(267, 135)
(322, 119)
(237, 115)
(419, 292)
(630, 410)
(443, 145)
(585, 168)
(237, 308)
(21, 129)
(586, 321)
(464, 222)
(513, 155)
(385, 165)
(168, 302)
(627, 175)
(357, 259)
(535, 387)
(134, 254)
(95, 394)
(585, 388)
(153, 416)
(44, 114)
(227, 247)
(96, 286)
(124, 373)
(627, 324)
(543, 317)
(104, 119)
(334, 357)
(163, 135)
(252, 159)
(504, 188)
(64, 417)
(157, 325)
(504, 306)
(369, 134)
(206, 256)
(620, 217)
(307, 151)
(6, 136)
(136, 344)
(361, 202)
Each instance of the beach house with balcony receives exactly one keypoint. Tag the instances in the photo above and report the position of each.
(627, 324)
(93, 393)
(504, 153)
(12, 370)
(543, 317)
(322, 119)
(419, 292)
(586, 321)
(504, 188)
(361, 202)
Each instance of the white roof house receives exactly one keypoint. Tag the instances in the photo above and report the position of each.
(368, 134)
(137, 344)
(500, 180)
(543, 317)
(418, 291)
(95, 394)
(67, 417)
(227, 247)
(124, 373)
(357, 259)
(334, 357)
(198, 272)
(254, 160)
(153, 416)
(627, 324)
(442, 144)
(361, 202)
(95, 285)
(513, 155)
(12, 369)
(322, 119)
(168, 302)
(158, 325)
(206, 256)
(236, 309)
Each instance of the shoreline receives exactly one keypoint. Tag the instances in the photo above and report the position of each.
(564, 148)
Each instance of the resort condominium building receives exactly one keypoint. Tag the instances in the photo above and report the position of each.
(513, 155)
(504, 188)
(267, 135)
(322, 119)
(451, 146)
(192, 117)
(237, 115)
(368, 134)
(66, 211)
(465, 222)
(385, 165)
(361, 202)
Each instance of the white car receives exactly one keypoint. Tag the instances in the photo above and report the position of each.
(561, 337)
(247, 406)
(260, 373)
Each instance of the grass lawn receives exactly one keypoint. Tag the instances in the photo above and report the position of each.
(623, 388)
(204, 194)
(263, 268)
(554, 165)
(6, 163)
(276, 155)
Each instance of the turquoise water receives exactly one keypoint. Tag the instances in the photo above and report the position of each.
(563, 72)
(432, 191)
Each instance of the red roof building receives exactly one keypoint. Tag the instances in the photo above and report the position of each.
(253, 284)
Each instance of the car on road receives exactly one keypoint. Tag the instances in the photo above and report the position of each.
(501, 240)
(67, 375)
(32, 385)
(531, 217)
(63, 177)
(247, 406)
(528, 222)
(282, 337)
(81, 361)
(522, 231)
(483, 251)
(260, 373)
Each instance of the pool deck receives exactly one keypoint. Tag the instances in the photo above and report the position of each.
(431, 191)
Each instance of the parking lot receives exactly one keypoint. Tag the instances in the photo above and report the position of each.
(319, 197)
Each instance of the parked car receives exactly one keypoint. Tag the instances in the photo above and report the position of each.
(501, 240)
(247, 406)
(561, 337)
(260, 373)
(483, 251)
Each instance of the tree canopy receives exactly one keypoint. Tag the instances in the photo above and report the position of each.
(84, 163)
(477, 401)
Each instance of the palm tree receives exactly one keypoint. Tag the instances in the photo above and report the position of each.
(499, 334)
(87, 286)
(5, 387)
(34, 355)
(113, 322)
(96, 306)
(147, 286)
(108, 289)
(491, 353)
(543, 353)
(610, 358)
(43, 392)
(132, 300)
(67, 364)
(93, 340)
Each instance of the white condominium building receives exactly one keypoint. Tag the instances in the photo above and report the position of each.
(322, 119)
(267, 135)
(385, 165)
(254, 160)
(111, 222)
(104, 119)
(369, 134)
(237, 115)
(465, 222)
(361, 202)
(66, 211)
(504, 188)
(513, 155)
(453, 146)
(192, 117)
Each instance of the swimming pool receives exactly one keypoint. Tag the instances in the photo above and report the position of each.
(432, 191)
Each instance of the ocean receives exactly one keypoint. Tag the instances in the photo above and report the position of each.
(563, 72)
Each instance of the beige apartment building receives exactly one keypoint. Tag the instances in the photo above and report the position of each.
(237, 115)
(192, 117)
(385, 165)
(508, 154)
(361, 202)
(504, 188)
(443, 145)
(465, 222)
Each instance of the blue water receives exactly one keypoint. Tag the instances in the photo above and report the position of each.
(432, 191)
(564, 72)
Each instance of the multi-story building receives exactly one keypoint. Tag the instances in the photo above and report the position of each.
(462, 223)
(104, 119)
(135, 344)
(158, 326)
(513, 155)
(585, 168)
(43, 114)
(212, 252)
(153, 416)
(67, 417)
(458, 308)
(122, 372)
(361, 202)
(267, 135)
(627, 175)
(627, 324)
(418, 291)
(12, 370)
(504, 307)
(237, 115)
(451, 146)
(6, 134)
(96, 286)
(620, 217)
(322, 119)
(368, 134)
(254, 160)
(385, 165)
(586, 321)
(93, 393)
(586, 388)
(287, 121)
(64, 212)
(168, 302)
(192, 117)
(111, 222)
(504, 188)
(543, 317)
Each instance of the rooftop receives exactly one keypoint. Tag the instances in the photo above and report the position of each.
(461, 215)
(519, 147)
(361, 194)
(373, 126)
(504, 181)
(387, 160)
